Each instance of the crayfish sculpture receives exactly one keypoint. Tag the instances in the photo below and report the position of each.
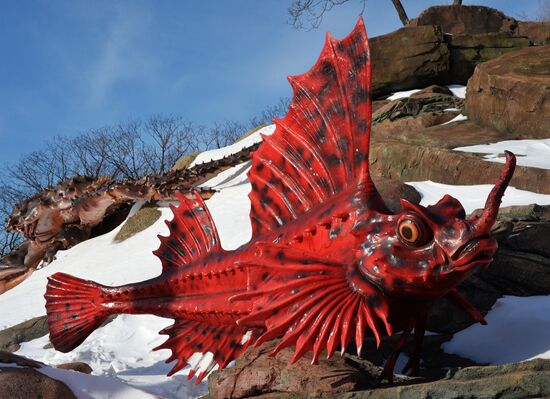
(328, 263)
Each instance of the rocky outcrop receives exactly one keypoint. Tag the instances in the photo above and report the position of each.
(393, 190)
(10, 338)
(427, 155)
(256, 373)
(81, 367)
(423, 109)
(511, 381)
(472, 20)
(512, 93)
(22, 381)
(469, 50)
(25, 383)
(537, 32)
(408, 58)
(522, 263)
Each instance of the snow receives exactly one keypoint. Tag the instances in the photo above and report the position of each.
(517, 330)
(473, 197)
(120, 353)
(457, 90)
(219, 153)
(532, 153)
(402, 94)
(457, 118)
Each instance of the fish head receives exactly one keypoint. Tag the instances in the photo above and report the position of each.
(423, 252)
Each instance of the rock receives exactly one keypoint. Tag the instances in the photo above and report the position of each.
(532, 212)
(522, 263)
(512, 93)
(426, 155)
(408, 58)
(469, 50)
(415, 105)
(435, 89)
(459, 20)
(388, 129)
(257, 373)
(529, 379)
(25, 383)
(10, 338)
(447, 318)
(393, 190)
(81, 367)
(11, 358)
(421, 110)
(537, 32)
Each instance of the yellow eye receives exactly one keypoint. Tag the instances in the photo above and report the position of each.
(413, 232)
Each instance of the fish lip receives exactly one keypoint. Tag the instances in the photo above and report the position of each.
(475, 252)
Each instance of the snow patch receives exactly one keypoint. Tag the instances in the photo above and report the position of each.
(402, 94)
(517, 330)
(458, 90)
(531, 153)
(473, 197)
(457, 118)
(219, 153)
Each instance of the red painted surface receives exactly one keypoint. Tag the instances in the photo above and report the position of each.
(327, 263)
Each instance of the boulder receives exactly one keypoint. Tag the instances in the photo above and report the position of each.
(11, 358)
(424, 156)
(537, 32)
(446, 318)
(472, 20)
(393, 190)
(408, 58)
(256, 373)
(511, 93)
(10, 338)
(529, 379)
(26, 383)
(433, 89)
(522, 263)
(428, 107)
(81, 367)
(469, 50)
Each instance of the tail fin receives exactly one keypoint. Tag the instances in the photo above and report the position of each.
(74, 310)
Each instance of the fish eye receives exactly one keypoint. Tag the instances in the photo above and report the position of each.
(413, 231)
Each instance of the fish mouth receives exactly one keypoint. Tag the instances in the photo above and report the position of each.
(478, 251)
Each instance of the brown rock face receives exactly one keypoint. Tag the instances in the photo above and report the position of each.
(469, 50)
(512, 93)
(24, 383)
(408, 58)
(427, 154)
(81, 367)
(10, 338)
(257, 373)
(466, 19)
(537, 32)
(511, 381)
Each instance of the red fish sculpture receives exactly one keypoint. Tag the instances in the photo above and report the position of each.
(328, 263)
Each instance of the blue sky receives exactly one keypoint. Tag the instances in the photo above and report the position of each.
(68, 66)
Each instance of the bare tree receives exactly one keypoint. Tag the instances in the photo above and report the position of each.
(271, 112)
(543, 14)
(401, 12)
(314, 10)
(457, 2)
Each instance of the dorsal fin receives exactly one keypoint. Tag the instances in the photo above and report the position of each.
(321, 146)
(192, 234)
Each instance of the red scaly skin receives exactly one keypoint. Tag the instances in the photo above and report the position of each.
(327, 263)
